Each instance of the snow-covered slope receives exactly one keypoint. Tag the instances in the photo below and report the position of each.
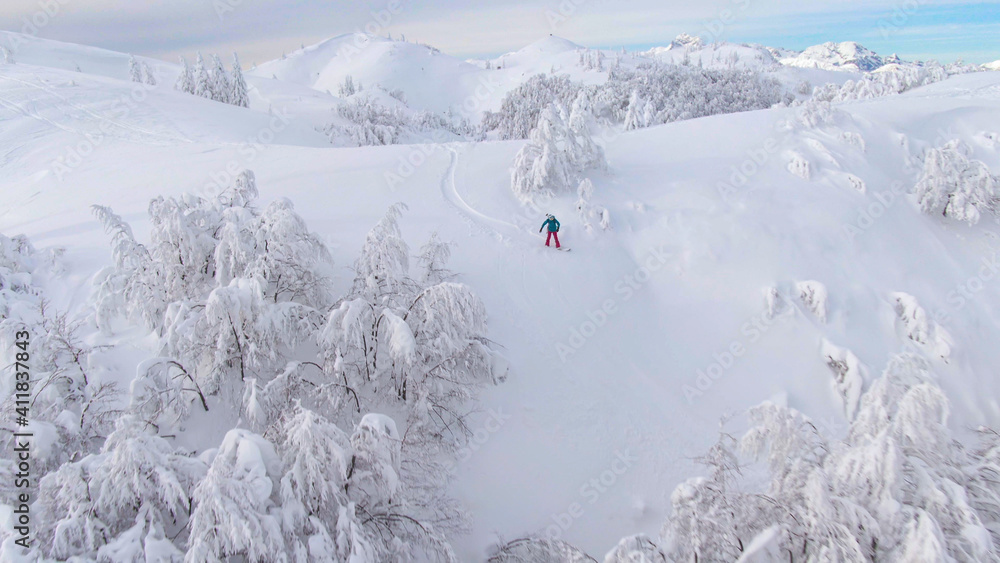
(995, 65)
(612, 344)
(847, 55)
(428, 78)
(33, 50)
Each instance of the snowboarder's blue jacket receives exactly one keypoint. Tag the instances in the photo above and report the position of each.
(552, 223)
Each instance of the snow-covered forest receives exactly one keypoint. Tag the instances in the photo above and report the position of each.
(303, 312)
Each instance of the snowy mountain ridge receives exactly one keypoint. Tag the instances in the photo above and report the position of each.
(846, 55)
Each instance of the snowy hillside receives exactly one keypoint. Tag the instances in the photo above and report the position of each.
(785, 254)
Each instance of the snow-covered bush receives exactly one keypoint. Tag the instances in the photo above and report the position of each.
(588, 211)
(955, 185)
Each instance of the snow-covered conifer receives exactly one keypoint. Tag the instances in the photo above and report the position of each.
(347, 87)
(239, 96)
(185, 82)
(148, 76)
(202, 79)
(381, 269)
(433, 258)
(134, 69)
(221, 84)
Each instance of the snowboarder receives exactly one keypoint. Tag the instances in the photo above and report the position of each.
(553, 224)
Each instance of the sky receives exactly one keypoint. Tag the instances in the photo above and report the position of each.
(261, 30)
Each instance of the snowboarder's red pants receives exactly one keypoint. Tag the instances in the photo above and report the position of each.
(552, 235)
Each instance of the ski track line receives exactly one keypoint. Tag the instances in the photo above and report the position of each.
(97, 116)
(449, 190)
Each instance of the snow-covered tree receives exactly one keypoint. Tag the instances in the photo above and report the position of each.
(221, 84)
(238, 96)
(234, 510)
(148, 76)
(433, 257)
(898, 487)
(554, 159)
(955, 185)
(185, 82)
(202, 79)
(521, 108)
(538, 548)
(639, 548)
(162, 393)
(118, 502)
(69, 524)
(634, 115)
(317, 457)
(236, 297)
(134, 69)
(8, 56)
(347, 87)
(380, 272)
